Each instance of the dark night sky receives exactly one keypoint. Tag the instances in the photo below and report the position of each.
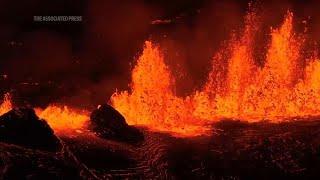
(83, 62)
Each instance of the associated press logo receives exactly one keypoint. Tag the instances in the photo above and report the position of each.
(57, 18)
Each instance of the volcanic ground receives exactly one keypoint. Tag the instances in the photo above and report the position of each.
(235, 150)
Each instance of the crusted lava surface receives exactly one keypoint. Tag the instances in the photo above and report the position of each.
(235, 150)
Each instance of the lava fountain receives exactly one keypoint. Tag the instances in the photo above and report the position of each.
(152, 101)
(286, 86)
(236, 87)
(63, 119)
(6, 104)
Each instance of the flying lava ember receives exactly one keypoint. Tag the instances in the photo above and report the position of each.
(286, 86)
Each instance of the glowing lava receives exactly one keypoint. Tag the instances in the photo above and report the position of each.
(286, 86)
(63, 119)
(6, 104)
(236, 87)
(152, 101)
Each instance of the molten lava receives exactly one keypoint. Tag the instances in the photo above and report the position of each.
(6, 104)
(64, 120)
(286, 86)
(152, 101)
(236, 88)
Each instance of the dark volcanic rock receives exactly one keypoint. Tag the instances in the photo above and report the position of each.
(110, 124)
(17, 162)
(21, 126)
(236, 150)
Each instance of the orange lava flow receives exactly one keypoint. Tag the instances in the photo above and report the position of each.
(6, 104)
(282, 88)
(63, 119)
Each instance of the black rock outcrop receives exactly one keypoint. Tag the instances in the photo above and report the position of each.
(108, 123)
(21, 126)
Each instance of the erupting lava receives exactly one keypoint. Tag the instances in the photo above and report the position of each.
(63, 119)
(237, 87)
(152, 101)
(6, 104)
(286, 86)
